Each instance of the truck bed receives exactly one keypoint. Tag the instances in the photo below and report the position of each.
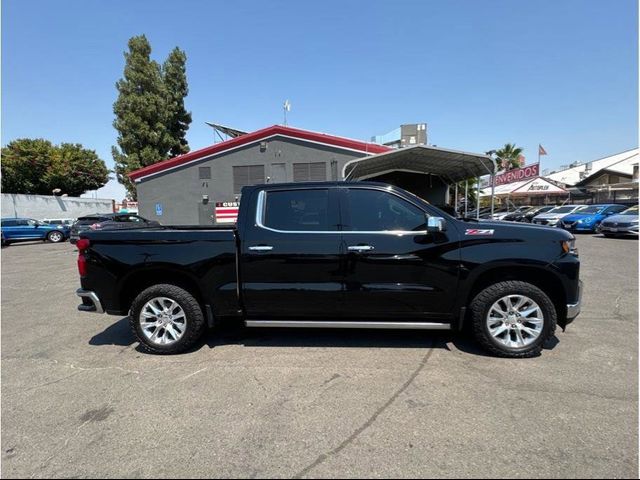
(118, 261)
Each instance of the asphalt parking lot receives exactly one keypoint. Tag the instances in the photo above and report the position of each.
(79, 400)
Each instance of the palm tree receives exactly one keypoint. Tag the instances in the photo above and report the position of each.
(509, 157)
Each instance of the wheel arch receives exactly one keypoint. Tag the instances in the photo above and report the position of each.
(543, 278)
(141, 279)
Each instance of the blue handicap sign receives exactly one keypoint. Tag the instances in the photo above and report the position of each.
(159, 209)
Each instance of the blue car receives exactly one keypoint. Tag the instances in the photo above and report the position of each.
(26, 229)
(589, 218)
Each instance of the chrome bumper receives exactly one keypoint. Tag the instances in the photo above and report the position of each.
(573, 309)
(95, 306)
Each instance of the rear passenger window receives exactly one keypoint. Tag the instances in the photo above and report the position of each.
(376, 211)
(298, 210)
(9, 223)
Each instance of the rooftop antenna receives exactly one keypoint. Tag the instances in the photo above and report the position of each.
(286, 108)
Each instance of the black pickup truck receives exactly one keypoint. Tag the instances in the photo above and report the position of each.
(336, 255)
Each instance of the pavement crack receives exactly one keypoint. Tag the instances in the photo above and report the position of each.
(49, 383)
(324, 456)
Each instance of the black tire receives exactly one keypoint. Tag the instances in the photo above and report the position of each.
(55, 237)
(483, 301)
(195, 321)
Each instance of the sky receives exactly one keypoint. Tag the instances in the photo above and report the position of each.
(480, 73)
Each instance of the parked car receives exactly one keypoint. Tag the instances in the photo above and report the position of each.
(108, 221)
(28, 229)
(588, 219)
(335, 255)
(511, 212)
(529, 214)
(496, 212)
(67, 222)
(625, 223)
(553, 216)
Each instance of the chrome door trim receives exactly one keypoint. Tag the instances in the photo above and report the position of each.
(261, 248)
(261, 204)
(360, 248)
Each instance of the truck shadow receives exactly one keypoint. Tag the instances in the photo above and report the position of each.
(120, 334)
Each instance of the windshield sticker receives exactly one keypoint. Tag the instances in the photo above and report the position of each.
(478, 231)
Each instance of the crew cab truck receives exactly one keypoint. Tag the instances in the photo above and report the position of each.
(336, 255)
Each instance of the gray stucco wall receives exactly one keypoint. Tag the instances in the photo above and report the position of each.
(48, 206)
(180, 191)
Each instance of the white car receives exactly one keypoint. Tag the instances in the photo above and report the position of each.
(553, 216)
(67, 222)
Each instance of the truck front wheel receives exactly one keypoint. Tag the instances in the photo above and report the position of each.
(513, 319)
(166, 319)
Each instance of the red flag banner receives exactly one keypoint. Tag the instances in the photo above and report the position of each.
(541, 150)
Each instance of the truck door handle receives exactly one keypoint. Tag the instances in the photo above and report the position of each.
(360, 248)
(261, 248)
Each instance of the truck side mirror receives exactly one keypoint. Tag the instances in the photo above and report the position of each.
(436, 224)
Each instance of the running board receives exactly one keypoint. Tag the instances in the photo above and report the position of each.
(322, 324)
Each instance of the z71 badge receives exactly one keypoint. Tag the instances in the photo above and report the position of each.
(478, 231)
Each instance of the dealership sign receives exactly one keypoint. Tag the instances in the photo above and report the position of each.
(539, 186)
(227, 212)
(518, 174)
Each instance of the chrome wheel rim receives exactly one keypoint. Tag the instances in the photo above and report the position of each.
(162, 321)
(55, 237)
(515, 321)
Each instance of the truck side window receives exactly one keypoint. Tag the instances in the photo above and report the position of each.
(376, 211)
(297, 210)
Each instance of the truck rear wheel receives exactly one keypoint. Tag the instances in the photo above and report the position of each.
(166, 319)
(513, 319)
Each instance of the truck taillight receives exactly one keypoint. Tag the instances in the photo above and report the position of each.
(82, 244)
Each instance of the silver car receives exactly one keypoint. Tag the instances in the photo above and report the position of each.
(625, 223)
(553, 216)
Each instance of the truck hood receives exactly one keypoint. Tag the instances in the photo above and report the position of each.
(512, 230)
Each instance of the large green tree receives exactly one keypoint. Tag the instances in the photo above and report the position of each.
(509, 156)
(24, 164)
(141, 114)
(36, 166)
(175, 80)
(74, 170)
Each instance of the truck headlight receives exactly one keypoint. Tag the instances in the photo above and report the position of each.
(569, 246)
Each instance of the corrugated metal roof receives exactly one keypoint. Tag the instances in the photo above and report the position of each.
(451, 165)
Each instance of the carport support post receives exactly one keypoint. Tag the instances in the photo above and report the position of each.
(466, 196)
(478, 199)
(493, 189)
(455, 203)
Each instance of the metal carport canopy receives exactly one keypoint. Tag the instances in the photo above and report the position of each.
(451, 165)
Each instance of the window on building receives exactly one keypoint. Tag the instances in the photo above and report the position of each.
(298, 210)
(310, 172)
(376, 211)
(247, 175)
(204, 173)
